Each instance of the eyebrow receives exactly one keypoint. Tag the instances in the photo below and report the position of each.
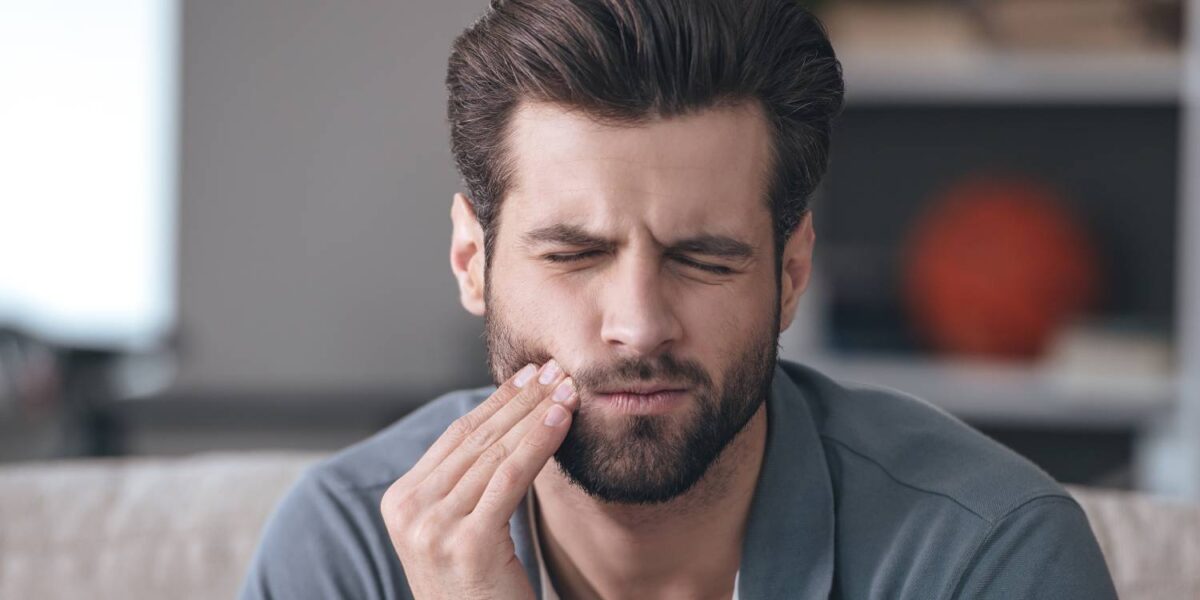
(715, 245)
(561, 233)
(706, 244)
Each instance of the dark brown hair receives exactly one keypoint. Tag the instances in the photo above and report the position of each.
(626, 61)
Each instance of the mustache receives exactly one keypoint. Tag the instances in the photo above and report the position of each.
(664, 367)
(512, 352)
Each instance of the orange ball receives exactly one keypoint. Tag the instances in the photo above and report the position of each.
(996, 266)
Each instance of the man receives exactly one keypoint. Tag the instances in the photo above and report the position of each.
(636, 234)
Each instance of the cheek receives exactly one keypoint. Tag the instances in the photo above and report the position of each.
(737, 307)
(723, 323)
(721, 320)
(551, 311)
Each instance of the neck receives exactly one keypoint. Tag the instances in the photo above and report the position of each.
(689, 547)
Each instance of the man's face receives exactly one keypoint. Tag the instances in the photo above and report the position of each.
(641, 258)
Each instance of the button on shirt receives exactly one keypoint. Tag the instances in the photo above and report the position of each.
(864, 492)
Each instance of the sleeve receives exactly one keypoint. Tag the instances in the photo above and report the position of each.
(314, 546)
(1044, 548)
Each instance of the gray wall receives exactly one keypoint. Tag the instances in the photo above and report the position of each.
(316, 185)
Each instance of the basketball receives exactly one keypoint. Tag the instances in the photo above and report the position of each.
(995, 267)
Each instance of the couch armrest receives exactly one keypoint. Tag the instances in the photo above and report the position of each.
(139, 527)
(1151, 544)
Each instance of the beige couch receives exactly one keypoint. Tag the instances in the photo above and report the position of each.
(186, 527)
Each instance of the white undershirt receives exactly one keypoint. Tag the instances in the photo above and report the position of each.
(548, 592)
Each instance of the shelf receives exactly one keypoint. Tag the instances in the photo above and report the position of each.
(981, 77)
(1012, 394)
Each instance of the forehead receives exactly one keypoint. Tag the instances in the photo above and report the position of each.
(702, 172)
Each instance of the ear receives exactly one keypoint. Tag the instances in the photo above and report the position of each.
(797, 266)
(467, 255)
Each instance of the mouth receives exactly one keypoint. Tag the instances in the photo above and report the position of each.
(642, 399)
(643, 389)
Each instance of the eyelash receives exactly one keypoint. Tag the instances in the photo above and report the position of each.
(566, 258)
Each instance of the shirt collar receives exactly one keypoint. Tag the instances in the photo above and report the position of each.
(788, 550)
(547, 587)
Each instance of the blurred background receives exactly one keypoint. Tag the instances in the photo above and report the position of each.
(224, 225)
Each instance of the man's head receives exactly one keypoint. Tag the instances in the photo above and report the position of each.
(638, 175)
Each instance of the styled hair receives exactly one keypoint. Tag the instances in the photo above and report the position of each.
(628, 61)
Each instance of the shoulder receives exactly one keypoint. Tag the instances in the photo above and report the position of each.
(905, 442)
(927, 506)
(325, 537)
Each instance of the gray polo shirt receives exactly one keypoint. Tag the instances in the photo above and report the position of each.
(865, 492)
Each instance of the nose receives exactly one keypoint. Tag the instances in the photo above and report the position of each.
(639, 313)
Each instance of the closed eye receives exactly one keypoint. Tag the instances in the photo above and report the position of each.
(565, 258)
(578, 256)
(714, 269)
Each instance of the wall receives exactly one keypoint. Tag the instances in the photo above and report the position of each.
(315, 193)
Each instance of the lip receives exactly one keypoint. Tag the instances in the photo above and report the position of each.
(644, 388)
(657, 400)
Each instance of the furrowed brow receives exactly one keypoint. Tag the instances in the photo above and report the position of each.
(715, 245)
(560, 233)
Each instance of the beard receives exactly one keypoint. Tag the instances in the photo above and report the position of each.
(646, 459)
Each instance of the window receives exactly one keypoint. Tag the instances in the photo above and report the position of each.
(88, 170)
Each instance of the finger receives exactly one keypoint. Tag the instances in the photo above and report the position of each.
(513, 477)
(465, 495)
(466, 424)
(445, 475)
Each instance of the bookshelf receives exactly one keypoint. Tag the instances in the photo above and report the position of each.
(1156, 92)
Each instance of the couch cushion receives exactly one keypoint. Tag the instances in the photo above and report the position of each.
(1151, 544)
(186, 528)
(137, 528)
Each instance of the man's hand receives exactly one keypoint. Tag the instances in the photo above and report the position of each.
(448, 516)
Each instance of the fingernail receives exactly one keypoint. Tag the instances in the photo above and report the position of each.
(549, 372)
(563, 391)
(524, 375)
(555, 415)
